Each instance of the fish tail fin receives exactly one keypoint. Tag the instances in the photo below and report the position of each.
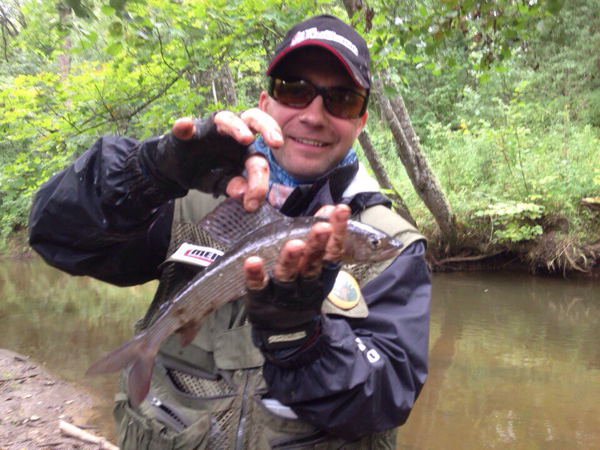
(139, 377)
(137, 357)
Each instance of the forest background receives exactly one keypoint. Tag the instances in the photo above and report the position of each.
(503, 96)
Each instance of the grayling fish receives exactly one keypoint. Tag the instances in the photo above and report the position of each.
(261, 233)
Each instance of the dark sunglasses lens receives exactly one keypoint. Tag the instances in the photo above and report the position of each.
(293, 93)
(344, 102)
(340, 102)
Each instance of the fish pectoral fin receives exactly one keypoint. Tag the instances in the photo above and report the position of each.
(229, 222)
(186, 334)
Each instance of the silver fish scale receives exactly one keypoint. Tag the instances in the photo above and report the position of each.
(204, 294)
(223, 281)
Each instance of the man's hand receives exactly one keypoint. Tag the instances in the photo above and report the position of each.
(284, 309)
(211, 154)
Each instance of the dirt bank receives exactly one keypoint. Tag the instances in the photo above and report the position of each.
(32, 403)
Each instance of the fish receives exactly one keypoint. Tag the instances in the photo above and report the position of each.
(263, 233)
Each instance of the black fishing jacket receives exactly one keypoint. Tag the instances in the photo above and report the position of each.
(86, 221)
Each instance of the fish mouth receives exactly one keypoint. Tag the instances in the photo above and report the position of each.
(392, 249)
(374, 256)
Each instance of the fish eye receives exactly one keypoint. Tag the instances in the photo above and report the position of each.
(374, 242)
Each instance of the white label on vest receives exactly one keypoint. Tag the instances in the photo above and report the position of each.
(194, 254)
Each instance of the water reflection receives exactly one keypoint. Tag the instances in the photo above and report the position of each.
(67, 323)
(514, 360)
(513, 365)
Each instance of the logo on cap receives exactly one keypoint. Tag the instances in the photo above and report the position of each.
(325, 35)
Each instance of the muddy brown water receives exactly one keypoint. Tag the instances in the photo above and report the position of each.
(514, 359)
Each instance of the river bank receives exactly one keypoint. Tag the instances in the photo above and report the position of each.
(552, 254)
(33, 402)
(548, 256)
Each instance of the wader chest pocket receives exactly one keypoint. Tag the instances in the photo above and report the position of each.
(136, 432)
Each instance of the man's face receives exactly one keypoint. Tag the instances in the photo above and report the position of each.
(315, 141)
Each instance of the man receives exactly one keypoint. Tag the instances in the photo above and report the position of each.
(306, 371)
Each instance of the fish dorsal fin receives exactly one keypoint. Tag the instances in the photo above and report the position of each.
(229, 222)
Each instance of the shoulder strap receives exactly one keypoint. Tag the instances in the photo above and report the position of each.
(194, 206)
(393, 224)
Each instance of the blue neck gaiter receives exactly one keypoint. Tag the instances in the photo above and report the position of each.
(278, 175)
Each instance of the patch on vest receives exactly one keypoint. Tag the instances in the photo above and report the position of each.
(196, 255)
(346, 291)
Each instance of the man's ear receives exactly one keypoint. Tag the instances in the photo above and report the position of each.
(263, 101)
(361, 125)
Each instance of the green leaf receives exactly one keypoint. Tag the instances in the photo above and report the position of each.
(116, 29)
(91, 36)
(117, 4)
(389, 91)
(410, 49)
(554, 6)
(114, 49)
(510, 33)
(78, 8)
(85, 44)
(107, 10)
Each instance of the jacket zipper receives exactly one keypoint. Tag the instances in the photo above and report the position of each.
(239, 438)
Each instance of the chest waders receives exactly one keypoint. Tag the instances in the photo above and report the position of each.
(209, 395)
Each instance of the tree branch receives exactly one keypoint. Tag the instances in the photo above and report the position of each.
(114, 118)
(160, 93)
(160, 44)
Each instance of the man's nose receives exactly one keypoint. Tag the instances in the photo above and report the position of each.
(314, 113)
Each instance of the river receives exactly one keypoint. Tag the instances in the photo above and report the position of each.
(514, 359)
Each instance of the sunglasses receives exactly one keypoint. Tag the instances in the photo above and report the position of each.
(339, 101)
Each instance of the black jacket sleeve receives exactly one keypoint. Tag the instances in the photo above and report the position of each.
(369, 371)
(100, 216)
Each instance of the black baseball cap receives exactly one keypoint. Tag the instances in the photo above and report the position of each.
(332, 34)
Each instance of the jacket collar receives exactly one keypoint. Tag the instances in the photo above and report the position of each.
(307, 199)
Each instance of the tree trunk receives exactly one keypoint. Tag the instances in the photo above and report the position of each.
(226, 81)
(382, 177)
(409, 150)
(415, 162)
(63, 59)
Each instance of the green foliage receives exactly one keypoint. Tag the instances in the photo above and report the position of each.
(132, 69)
(487, 33)
(514, 222)
(517, 157)
(504, 95)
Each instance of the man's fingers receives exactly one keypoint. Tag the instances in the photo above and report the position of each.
(260, 122)
(228, 123)
(183, 128)
(253, 189)
(237, 187)
(316, 243)
(254, 273)
(339, 221)
(325, 211)
(257, 169)
(286, 268)
(243, 127)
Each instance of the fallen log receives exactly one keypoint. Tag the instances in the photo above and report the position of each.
(77, 433)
